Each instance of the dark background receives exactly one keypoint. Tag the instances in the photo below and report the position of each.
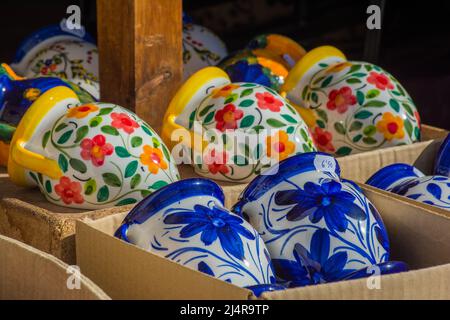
(414, 43)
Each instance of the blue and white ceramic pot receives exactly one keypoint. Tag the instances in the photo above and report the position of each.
(405, 180)
(186, 222)
(442, 166)
(317, 227)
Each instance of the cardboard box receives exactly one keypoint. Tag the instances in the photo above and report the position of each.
(27, 273)
(418, 236)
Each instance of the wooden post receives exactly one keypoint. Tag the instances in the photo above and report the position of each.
(140, 47)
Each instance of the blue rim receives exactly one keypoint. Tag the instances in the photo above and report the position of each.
(442, 166)
(259, 289)
(43, 34)
(390, 267)
(390, 174)
(294, 165)
(166, 196)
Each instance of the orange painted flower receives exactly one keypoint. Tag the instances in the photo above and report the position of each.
(391, 126)
(96, 150)
(153, 158)
(279, 146)
(227, 117)
(339, 67)
(322, 139)
(216, 162)
(267, 100)
(69, 191)
(225, 91)
(81, 112)
(381, 81)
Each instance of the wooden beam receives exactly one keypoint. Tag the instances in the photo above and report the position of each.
(140, 47)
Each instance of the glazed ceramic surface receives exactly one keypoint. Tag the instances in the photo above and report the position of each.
(317, 227)
(88, 156)
(201, 48)
(405, 180)
(186, 222)
(359, 106)
(442, 166)
(250, 127)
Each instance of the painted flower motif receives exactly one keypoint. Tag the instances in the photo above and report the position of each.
(225, 91)
(323, 140)
(327, 201)
(242, 71)
(339, 67)
(69, 191)
(267, 100)
(216, 162)
(81, 112)
(314, 266)
(227, 117)
(32, 94)
(381, 81)
(279, 146)
(213, 223)
(153, 158)
(391, 126)
(96, 149)
(417, 116)
(341, 99)
(124, 122)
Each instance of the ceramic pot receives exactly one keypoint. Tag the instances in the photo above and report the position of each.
(317, 227)
(186, 222)
(87, 156)
(55, 52)
(245, 128)
(266, 61)
(359, 106)
(405, 180)
(442, 165)
(201, 48)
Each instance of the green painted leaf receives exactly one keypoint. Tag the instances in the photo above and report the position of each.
(327, 81)
(63, 163)
(110, 130)
(90, 187)
(375, 103)
(95, 122)
(322, 114)
(306, 148)
(246, 103)
(304, 92)
(125, 202)
(78, 165)
(339, 128)
(247, 121)
(353, 81)
(122, 152)
(33, 176)
(246, 92)
(408, 109)
(105, 111)
(360, 97)
(205, 110)
(258, 128)
(369, 140)
(363, 115)
(371, 94)
(159, 184)
(417, 133)
(357, 138)
(166, 152)
(240, 161)
(156, 142)
(355, 126)
(321, 124)
(112, 180)
(314, 97)
(258, 151)
(103, 194)
(65, 137)
(81, 133)
(274, 123)
(408, 127)
(131, 168)
(344, 151)
(359, 75)
(209, 117)
(231, 98)
(370, 130)
(45, 139)
(192, 119)
(135, 181)
(145, 193)
(354, 68)
(290, 130)
(136, 142)
(288, 118)
(394, 105)
(48, 186)
(61, 127)
(147, 131)
(304, 134)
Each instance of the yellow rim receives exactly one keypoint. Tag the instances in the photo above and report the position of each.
(11, 73)
(21, 158)
(308, 61)
(183, 97)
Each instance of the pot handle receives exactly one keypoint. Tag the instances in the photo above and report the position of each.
(34, 161)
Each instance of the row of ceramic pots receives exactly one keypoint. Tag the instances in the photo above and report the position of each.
(408, 181)
(299, 224)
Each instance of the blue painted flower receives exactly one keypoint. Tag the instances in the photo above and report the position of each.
(327, 201)
(213, 223)
(242, 71)
(314, 266)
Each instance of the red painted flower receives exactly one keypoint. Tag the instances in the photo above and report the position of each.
(96, 150)
(227, 117)
(266, 100)
(216, 162)
(417, 115)
(123, 121)
(381, 81)
(322, 139)
(69, 191)
(341, 99)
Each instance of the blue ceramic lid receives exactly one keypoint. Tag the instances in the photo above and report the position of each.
(442, 166)
(386, 176)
